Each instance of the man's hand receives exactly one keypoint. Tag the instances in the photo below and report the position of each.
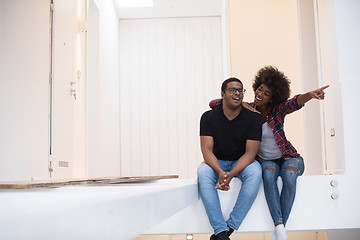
(224, 181)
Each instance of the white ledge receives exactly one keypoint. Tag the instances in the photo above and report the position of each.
(92, 212)
(164, 207)
(313, 209)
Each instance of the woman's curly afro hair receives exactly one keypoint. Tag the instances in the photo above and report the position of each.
(276, 81)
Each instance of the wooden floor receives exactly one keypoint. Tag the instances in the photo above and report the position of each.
(82, 181)
(322, 235)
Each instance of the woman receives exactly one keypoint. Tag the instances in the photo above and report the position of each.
(276, 155)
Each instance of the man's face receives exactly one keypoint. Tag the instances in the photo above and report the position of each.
(233, 95)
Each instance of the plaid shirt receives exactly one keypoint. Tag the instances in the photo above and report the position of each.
(275, 118)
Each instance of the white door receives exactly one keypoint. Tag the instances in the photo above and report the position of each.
(63, 98)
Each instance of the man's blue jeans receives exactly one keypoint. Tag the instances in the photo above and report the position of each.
(280, 205)
(208, 179)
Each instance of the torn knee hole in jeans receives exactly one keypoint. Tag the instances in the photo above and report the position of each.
(292, 168)
(270, 168)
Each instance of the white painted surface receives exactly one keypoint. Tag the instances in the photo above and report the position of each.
(324, 153)
(92, 92)
(263, 33)
(348, 37)
(92, 212)
(172, 9)
(103, 151)
(309, 77)
(1, 33)
(329, 75)
(169, 70)
(24, 89)
(64, 82)
(111, 211)
(313, 210)
(80, 76)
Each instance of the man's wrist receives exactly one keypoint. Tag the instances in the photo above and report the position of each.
(231, 174)
(220, 172)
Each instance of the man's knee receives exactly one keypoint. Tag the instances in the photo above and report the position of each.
(257, 167)
(205, 171)
(254, 171)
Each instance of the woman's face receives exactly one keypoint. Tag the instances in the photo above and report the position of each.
(263, 95)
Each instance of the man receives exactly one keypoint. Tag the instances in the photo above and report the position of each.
(230, 137)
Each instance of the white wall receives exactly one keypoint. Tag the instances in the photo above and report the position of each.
(299, 38)
(80, 76)
(329, 74)
(1, 20)
(309, 77)
(348, 38)
(172, 9)
(103, 93)
(92, 86)
(170, 69)
(318, 49)
(24, 89)
(263, 33)
(63, 101)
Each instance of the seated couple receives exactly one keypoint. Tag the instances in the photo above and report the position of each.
(232, 136)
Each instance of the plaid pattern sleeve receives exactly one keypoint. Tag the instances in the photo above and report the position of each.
(288, 106)
(276, 117)
(214, 103)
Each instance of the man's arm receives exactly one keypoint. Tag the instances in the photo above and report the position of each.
(207, 145)
(252, 147)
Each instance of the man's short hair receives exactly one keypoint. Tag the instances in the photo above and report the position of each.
(232, 79)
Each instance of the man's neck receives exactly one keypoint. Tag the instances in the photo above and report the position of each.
(231, 113)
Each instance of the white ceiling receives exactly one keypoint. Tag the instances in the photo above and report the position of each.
(173, 8)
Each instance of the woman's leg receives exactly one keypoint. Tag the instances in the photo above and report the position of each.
(270, 172)
(290, 170)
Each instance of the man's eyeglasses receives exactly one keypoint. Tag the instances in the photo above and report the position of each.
(234, 90)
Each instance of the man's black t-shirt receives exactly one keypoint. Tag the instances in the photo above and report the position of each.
(230, 136)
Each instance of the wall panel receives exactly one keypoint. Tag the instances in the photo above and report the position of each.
(24, 89)
(169, 70)
(103, 91)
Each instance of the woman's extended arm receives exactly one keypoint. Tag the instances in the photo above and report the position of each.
(317, 93)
